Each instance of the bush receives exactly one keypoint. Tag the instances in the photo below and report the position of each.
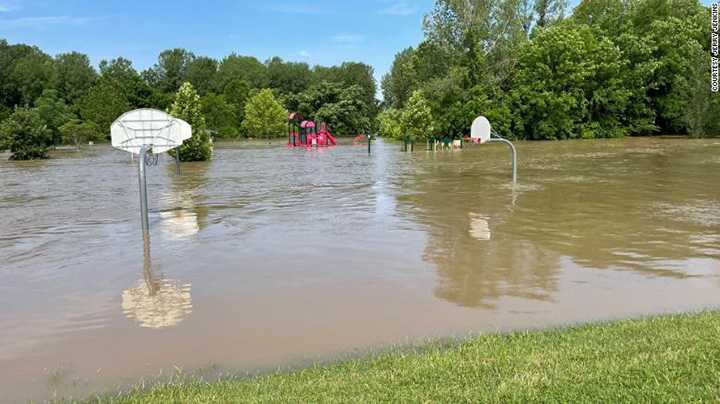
(26, 135)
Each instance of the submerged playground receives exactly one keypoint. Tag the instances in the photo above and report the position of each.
(329, 248)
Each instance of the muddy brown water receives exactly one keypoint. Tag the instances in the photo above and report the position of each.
(268, 256)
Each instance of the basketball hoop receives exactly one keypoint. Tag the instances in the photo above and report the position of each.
(147, 133)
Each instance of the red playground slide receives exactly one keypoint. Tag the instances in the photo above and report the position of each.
(305, 134)
(327, 133)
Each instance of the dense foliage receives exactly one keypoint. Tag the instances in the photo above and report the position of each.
(264, 115)
(612, 68)
(68, 89)
(186, 106)
(25, 134)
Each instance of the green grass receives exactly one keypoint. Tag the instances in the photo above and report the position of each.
(656, 359)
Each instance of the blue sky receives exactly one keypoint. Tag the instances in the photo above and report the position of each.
(318, 32)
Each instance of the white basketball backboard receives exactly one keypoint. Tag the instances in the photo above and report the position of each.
(480, 129)
(153, 129)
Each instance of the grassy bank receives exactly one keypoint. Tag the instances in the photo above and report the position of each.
(657, 359)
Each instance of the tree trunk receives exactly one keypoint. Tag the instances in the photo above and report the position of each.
(267, 134)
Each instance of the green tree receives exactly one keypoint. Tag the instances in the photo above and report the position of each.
(25, 71)
(54, 112)
(416, 118)
(344, 109)
(388, 123)
(78, 133)
(702, 111)
(219, 115)
(104, 102)
(169, 72)
(74, 76)
(401, 81)
(242, 67)
(288, 77)
(264, 115)
(138, 93)
(236, 93)
(201, 72)
(187, 107)
(26, 135)
(569, 83)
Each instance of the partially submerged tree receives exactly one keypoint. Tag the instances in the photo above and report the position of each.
(264, 115)
(78, 133)
(187, 107)
(416, 120)
(54, 112)
(26, 135)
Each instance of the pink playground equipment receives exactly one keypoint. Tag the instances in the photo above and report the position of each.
(304, 134)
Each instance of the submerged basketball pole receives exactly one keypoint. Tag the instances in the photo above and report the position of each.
(482, 132)
(143, 189)
(512, 149)
(148, 132)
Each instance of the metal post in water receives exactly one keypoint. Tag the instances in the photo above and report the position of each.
(369, 139)
(143, 189)
(177, 160)
(514, 154)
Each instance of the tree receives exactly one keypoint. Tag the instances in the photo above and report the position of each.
(77, 133)
(25, 133)
(187, 107)
(569, 83)
(349, 115)
(121, 72)
(388, 123)
(350, 74)
(236, 93)
(75, 75)
(288, 77)
(54, 112)
(548, 12)
(401, 81)
(104, 102)
(219, 115)
(201, 72)
(25, 71)
(243, 67)
(416, 118)
(264, 114)
(702, 111)
(343, 108)
(169, 72)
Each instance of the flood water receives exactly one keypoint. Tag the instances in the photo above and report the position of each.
(269, 256)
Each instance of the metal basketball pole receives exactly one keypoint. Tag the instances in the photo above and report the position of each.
(143, 189)
(514, 154)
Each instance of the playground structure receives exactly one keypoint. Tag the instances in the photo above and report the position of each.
(304, 133)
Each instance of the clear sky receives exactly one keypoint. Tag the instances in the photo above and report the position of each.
(322, 32)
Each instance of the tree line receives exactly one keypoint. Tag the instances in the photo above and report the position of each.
(46, 101)
(611, 68)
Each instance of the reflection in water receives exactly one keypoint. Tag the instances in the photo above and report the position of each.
(179, 224)
(156, 303)
(479, 227)
(632, 209)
